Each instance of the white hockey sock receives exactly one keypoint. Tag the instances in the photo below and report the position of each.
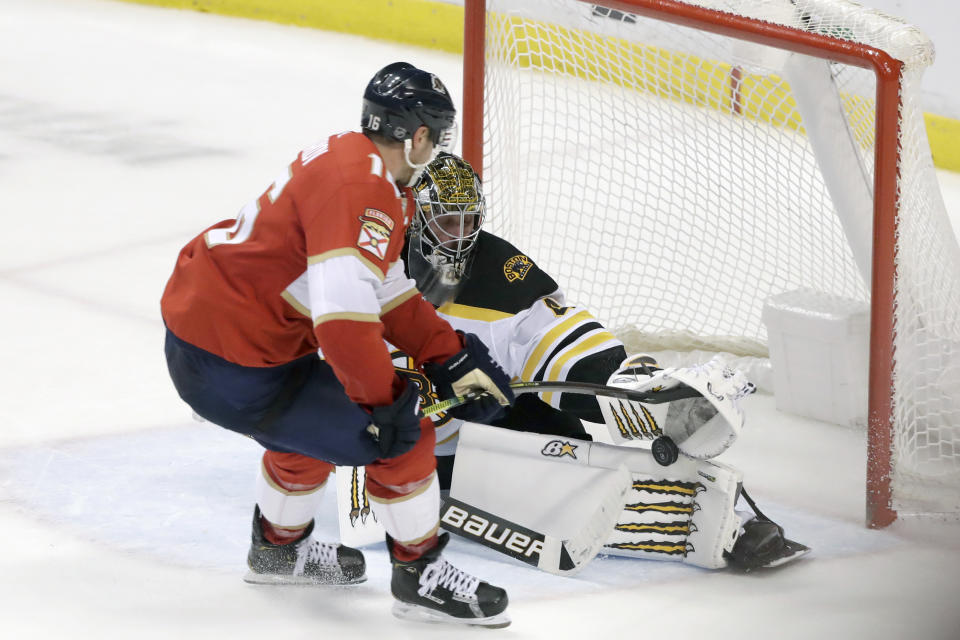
(412, 518)
(284, 508)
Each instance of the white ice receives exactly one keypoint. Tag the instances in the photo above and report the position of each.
(124, 130)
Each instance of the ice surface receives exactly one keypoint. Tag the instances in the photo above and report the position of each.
(124, 130)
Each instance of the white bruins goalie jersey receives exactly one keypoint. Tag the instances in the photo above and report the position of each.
(522, 316)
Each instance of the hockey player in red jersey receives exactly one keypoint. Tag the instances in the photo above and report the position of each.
(314, 263)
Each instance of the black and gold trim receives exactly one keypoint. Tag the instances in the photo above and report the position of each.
(633, 424)
(666, 486)
(664, 528)
(654, 547)
(662, 507)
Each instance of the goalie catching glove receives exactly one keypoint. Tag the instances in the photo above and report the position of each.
(701, 427)
(472, 370)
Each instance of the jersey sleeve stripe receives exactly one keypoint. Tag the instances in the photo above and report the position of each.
(293, 302)
(297, 294)
(397, 301)
(549, 339)
(346, 315)
(472, 313)
(342, 284)
(347, 251)
(582, 348)
(570, 338)
(396, 289)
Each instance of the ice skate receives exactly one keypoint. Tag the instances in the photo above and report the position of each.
(763, 545)
(430, 589)
(305, 562)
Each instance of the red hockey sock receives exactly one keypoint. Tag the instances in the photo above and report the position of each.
(280, 535)
(411, 552)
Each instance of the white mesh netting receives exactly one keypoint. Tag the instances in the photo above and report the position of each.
(673, 179)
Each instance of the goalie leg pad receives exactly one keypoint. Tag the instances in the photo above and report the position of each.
(533, 497)
(685, 517)
(553, 485)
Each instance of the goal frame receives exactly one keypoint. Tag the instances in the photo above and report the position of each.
(889, 77)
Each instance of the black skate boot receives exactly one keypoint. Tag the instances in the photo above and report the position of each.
(430, 589)
(306, 561)
(762, 544)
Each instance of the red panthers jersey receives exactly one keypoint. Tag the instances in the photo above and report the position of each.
(313, 262)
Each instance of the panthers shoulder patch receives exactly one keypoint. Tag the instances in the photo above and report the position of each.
(375, 229)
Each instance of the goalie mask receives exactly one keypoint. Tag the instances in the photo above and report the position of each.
(442, 236)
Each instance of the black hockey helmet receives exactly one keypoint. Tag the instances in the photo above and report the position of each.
(400, 98)
(445, 227)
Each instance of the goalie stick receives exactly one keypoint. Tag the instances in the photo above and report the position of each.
(560, 556)
(653, 396)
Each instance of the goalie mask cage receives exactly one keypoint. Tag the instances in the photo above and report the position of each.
(674, 164)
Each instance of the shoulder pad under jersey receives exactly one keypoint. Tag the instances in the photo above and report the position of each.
(503, 278)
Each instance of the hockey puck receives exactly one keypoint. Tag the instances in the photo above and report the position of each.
(665, 451)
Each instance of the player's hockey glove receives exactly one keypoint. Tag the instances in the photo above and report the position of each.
(472, 370)
(396, 427)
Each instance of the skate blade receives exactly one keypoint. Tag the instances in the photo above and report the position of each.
(407, 611)
(793, 551)
(299, 581)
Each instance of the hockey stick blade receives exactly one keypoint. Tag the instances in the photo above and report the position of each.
(653, 396)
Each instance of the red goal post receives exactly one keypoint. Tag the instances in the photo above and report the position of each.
(840, 46)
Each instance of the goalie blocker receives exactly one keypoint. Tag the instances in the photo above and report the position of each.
(555, 503)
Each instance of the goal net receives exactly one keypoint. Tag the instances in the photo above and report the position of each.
(674, 164)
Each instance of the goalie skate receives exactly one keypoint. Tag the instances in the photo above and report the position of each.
(307, 561)
(762, 545)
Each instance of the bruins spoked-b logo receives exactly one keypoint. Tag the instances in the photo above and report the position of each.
(559, 448)
(516, 268)
(428, 394)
